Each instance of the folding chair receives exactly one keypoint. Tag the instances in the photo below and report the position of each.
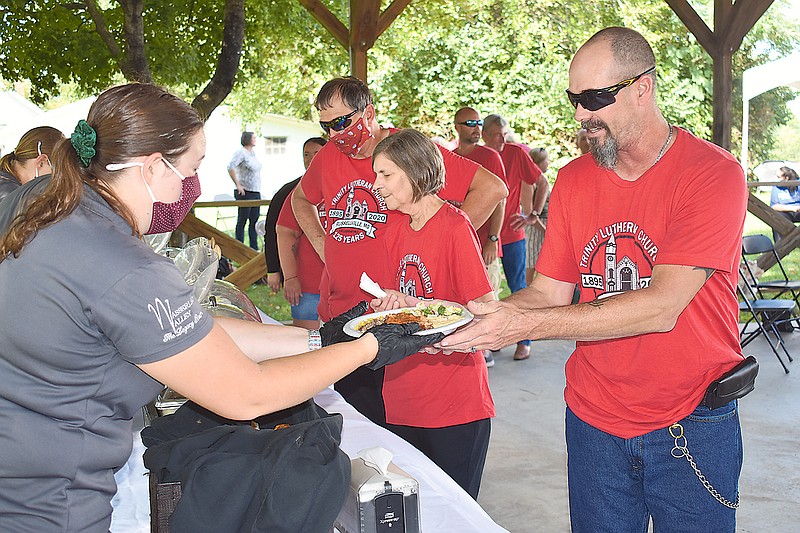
(753, 245)
(766, 315)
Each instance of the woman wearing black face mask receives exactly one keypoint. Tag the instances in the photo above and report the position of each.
(113, 320)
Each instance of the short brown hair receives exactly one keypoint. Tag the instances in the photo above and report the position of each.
(418, 157)
(40, 140)
(351, 90)
(129, 121)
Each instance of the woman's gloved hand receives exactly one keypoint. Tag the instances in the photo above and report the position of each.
(332, 331)
(396, 342)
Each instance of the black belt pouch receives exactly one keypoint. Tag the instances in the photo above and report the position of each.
(734, 384)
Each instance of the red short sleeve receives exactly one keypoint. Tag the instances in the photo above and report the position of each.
(459, 172)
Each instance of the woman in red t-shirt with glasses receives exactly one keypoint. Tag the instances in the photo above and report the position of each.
(439, 403)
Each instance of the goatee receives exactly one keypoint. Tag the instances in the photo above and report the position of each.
(605, 154)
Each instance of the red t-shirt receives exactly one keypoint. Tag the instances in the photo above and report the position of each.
(519, 168)
(358, 217)
(607, 234)
(490, 160)
(442, 260)
(309, 265)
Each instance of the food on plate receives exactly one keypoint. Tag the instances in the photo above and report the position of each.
(428, 316)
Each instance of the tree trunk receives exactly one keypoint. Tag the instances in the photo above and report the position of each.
(228, 63)
(134, 63)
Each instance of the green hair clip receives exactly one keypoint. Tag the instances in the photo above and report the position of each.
(83, 140)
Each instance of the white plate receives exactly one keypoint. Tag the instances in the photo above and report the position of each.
(350, 327)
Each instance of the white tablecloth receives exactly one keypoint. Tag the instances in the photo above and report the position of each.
(445, 507)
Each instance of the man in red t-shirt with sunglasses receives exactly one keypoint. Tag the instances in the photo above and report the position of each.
(657, 323)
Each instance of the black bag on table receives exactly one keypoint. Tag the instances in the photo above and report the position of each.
(287, 476)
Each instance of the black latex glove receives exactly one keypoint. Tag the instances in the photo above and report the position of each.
(332, 332)
(396, 342)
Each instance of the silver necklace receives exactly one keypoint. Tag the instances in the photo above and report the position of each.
(663, 148)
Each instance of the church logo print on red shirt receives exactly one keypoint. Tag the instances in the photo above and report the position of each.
(619, 258)
(355, 212)
(414, 278)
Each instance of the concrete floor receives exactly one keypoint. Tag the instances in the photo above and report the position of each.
(524, 485)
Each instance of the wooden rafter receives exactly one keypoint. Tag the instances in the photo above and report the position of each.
(328, 20)
(367, 23)
(732, 21)
(389, 14)
(694, 23)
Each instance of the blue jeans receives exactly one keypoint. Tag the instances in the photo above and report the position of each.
(616, 485)
(307, 308)
(245, 215)
(514, 267)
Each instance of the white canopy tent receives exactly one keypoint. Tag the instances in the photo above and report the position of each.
(763, 78)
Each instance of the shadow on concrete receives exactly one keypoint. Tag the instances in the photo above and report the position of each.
(525, 483)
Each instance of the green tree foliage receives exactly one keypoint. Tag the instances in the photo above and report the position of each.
(512, 57)
(505, 56)
(95, 43)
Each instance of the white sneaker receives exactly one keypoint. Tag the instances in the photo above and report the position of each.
(489, 358)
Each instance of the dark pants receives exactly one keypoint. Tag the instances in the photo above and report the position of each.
(246, 214)
(458, 450)
(363, 389)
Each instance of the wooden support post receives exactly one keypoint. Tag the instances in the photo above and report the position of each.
(722, 100)
(732, 21)
(367, 23)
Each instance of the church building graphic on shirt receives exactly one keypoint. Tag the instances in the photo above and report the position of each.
(614, 268)
(622, 275)
(355, 209)
(413, 277)
(355, 212)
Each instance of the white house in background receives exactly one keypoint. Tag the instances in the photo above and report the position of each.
(279, 144)
(279, 147)
(17, 113)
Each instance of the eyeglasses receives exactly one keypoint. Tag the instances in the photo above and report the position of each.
(471, 123)
(337, 124)
(596, 99)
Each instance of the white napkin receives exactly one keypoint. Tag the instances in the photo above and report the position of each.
(371, 287)
(377, 458)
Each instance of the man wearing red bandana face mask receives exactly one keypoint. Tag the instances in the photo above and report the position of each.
(341, 176)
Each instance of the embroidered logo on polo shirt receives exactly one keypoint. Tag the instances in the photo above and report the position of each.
(414, 278)
(619, 258)
(178, 321)
(355, 212)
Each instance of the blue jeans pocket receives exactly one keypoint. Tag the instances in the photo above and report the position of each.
(722, 413)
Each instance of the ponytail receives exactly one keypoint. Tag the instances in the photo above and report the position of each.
(125, 122)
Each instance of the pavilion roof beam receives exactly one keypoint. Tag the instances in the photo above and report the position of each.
(367, 23)
(694, 23)
(389, 14)
(732, 21)
(744, 17)
(328, 20)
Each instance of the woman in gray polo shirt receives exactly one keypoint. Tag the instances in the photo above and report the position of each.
(92, 322)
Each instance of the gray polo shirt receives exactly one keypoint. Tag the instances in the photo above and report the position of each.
(83, 303)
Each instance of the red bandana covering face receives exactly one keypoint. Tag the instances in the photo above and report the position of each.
(352, 139)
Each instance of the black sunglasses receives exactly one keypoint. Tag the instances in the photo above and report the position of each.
(471, 123)
(337, 124)
(595, 99)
